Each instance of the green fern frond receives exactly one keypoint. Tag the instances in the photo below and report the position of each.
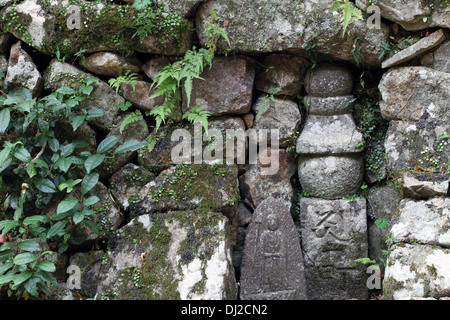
(130, 118)
(197, 114)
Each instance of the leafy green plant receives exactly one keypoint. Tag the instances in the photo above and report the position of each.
(128, 78)
(350, 13)
(264, 103)
(36, 167)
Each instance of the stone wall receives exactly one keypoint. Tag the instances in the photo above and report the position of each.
(362, 181)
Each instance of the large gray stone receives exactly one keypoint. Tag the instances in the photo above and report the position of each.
(89, 264)
(331, 177)
(281, 114)
(227, 87)
(410, 15)
(274, 26)
(417, 271)
(334, 235)
(438, 59)
(109, 64)
(174, 255)
(330, 135)
(139, 95)
(420, 47)
(423, 185)
(22, 71)
(413, 93)
(329, 106)
(282, 71)
(426, 222)
(272, 265)
(411, 144)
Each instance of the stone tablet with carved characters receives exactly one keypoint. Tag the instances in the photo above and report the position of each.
(272, 264)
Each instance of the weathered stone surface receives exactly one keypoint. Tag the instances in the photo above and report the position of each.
(410, 144)
(256, 186)
(438, 59)
(329, 106)
(331, 177)
(416, 271)
(383, 202)
(6, 40)
(64, 131)
(227, 87)
(133, 131)
(126, 183)
(413, 93)
(153, 66)
(184, 8)
(423, 185)
(186, 187)
(329, 81)
(282, 71)
(109, 64)
(283, 114)
(420, 47)
(410, 15)
(22, 72)
(89, 264)
(272, 265)
(140, 94)
(334, 234)
(426, 222)
(330, 135)
(102, 96)
(175, 255)
(271, 26)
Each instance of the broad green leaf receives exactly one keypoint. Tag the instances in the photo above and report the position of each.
(93, 162)
(22, 277)
(6, 278)
(92, 226)
(31, 170)
(35, 219)
(95, 113)
(89, 182)
(63, 164)
(8, 225)
(57, 228)
(5, 118)
(67, 150)
(53, 143)
(130, 145)
(24, 258)
(78, 217)
(29, 245)
(4, 155)
(45, 185)
(67, 205)
(31, 286)
(7, 255)
(47, 266)
(66, 90)
(107, 144)
(5, 267)
(91, 201)
(23, 155)
(77, 120)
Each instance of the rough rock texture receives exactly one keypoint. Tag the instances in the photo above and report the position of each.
(426, 222)
(153, 66)
(139, 95)
(109, 64)
(330, 135)
(413, 93)
(420, 47)
(329, 106)
(272, 265)
(271, 26)
(175, 255)
(283, 114)
(227, 87)
(22, 72)
(102, 97)
(331, 177)
(438, 59)
(256, 186)
(328, 81)
(410, 144)
(417, 271)
(423, 185)
(334, 234)
(127, 183)
(411, 16)
(89, 264)
(282, 71)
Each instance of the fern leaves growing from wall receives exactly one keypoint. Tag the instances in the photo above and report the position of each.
(350, 13)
